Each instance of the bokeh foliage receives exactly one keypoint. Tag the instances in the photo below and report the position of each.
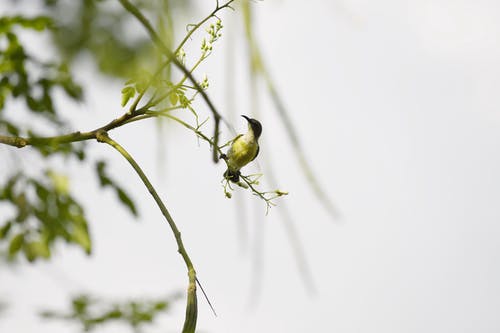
(42, 212)
(91, 312)
(38, 207)
(42, 205)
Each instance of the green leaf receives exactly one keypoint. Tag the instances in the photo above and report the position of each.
(114, 314)
(101, 173)
(160, 306)
(142, 80)
(39, 23)
(173, 98)
(72, 89)
(15, 244)
(81, 236)
(34, 250)
(105, 180)
(126, 200)
(4, 231)
(127, 93)
(185, 102)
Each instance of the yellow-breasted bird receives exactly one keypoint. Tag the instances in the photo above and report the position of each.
(243, 150)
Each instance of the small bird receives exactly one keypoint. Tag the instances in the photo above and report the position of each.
(243, 150)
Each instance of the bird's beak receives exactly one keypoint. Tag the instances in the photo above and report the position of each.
(248, 119)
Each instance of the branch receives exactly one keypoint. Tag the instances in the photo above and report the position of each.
(199, 24)
(191, 306)
(171, 57)
(20, 142)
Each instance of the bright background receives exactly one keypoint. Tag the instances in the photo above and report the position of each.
(397, 105)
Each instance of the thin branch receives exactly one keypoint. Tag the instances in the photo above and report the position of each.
(133, 107)
(188, 126)
(249, 182)
(191, 306)
(21, 142)
(196, 26)
(199, 24)
(171, 56)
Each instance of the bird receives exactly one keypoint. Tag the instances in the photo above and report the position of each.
(244, 149)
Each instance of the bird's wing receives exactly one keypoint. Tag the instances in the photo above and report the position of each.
(257, 153)
(237, 137)
(230, 150)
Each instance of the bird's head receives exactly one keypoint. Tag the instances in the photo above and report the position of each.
(254, 125)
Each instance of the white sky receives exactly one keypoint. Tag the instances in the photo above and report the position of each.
(397, 103)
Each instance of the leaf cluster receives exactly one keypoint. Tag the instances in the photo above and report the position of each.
(92, 313)
(25, 76)
(103, 31)
(105, 180)
(43, 212)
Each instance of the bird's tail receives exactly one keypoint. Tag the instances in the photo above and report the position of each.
(233, 176)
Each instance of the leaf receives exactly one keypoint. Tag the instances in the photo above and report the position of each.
(127, 93)
(142, 80)
(185, 102)
(101, 173)
(114, 314)
(34, 250)
(4, 231)
(39, 23)
(72, 89)
(105, 180)
(125, 199)
(160, 306)
(173, 98)
(80, 236)
(15, 244)
(59, 181)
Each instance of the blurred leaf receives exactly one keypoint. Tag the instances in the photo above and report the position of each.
(4, 230)
(86, 26)
(80, 304)
(105, 180)
(38, 23)
(174, 98)
(80, 236)
(92, 313)
(24, 76)
(59, 181)
(15, 244)
(126, 200)
(127, 93)
(45, 211)
(34, 250)
(9, 127)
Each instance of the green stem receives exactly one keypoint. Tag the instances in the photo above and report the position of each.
(171, 56)
(21, 142)
(191, 307)
(195, 130)
(199, 24)
(195, 27)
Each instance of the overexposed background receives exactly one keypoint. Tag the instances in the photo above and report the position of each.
(398, 107)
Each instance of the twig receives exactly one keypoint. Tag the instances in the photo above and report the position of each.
(195, 27)
(171, 56)
(191, 307)
(21, 142)
(199, 24)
